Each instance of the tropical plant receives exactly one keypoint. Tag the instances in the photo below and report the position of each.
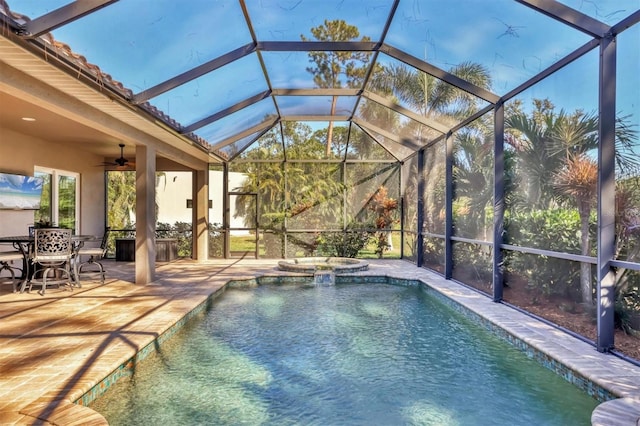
(432, 97)
(383, 206)
(555, 164)
(121, 199)
(473, 181)
(577, 180)
(627, 282)
(436, 100)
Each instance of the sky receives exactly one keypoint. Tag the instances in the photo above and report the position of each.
(144, 42)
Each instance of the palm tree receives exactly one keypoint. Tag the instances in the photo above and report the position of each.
(546, 140)
(578, 181)
(429, 96)
(532, 138)
(473, 174)
(554, 152)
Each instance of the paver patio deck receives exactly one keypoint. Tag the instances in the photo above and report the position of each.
(57, 347)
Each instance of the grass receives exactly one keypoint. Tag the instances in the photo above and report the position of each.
(242, 243)
(247, 243)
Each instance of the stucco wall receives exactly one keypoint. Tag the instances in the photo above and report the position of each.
(19, 154)
(174, 188)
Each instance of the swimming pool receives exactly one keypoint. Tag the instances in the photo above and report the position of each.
(345, 354)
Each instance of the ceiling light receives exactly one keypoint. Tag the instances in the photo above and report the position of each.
(28, 119)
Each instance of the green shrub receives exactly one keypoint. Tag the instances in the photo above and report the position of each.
(181, 231)
(343, 244)
(554, 230)
(476, 261)
(216, 240)
(433, 252)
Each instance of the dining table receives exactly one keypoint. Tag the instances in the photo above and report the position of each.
(25, 243)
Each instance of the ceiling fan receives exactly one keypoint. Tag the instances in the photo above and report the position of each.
(120, 162)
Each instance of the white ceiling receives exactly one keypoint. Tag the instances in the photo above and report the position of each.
(56, 128)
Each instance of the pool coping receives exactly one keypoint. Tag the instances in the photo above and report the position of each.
(607, 378)
(308, 265)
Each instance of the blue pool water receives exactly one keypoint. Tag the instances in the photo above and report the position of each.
(353, 354)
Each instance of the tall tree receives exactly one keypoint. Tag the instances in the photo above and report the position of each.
(333, 68)
(121, 199)
(305, 193)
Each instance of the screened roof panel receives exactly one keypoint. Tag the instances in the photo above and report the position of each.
(405, 128)
(608, 11)
(291, 20)
(222, 72)
(363, 147)
(204, 96)
(291, 70)
(234, 124)
(33, 8)
(266, 147)
(512, 41)
(388, 140)
(315, 144)
(316, 105)
(421, 93)
(237, 147)
(144, 42)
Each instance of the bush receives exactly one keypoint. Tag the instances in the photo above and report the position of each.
(181, 231)
(343, 244)
(554, 230)
(216, 240)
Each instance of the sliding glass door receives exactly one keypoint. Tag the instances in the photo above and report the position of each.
(60, 198)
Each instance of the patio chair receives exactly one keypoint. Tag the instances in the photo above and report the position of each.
(92, 266)
(6, 264)
(52, 257)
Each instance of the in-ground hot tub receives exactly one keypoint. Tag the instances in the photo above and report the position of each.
(310, 265)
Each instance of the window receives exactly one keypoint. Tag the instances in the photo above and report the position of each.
(60, 198)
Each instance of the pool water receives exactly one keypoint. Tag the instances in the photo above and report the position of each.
(354, 354)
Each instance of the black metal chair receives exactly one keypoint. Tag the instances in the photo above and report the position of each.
(92, 266)
(6, 264)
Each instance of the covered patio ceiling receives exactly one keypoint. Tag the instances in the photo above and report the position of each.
(221, 74)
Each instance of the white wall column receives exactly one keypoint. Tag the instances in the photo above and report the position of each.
(145, 214)
(200, 221)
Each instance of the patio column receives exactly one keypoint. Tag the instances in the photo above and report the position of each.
(606, 194)
(145, 214)
(448, 221)
(420, 211)
(200, 220)
(498, 201)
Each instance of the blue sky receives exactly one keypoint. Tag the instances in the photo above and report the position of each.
(143, 42)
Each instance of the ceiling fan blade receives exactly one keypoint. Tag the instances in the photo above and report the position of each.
(120, 163)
